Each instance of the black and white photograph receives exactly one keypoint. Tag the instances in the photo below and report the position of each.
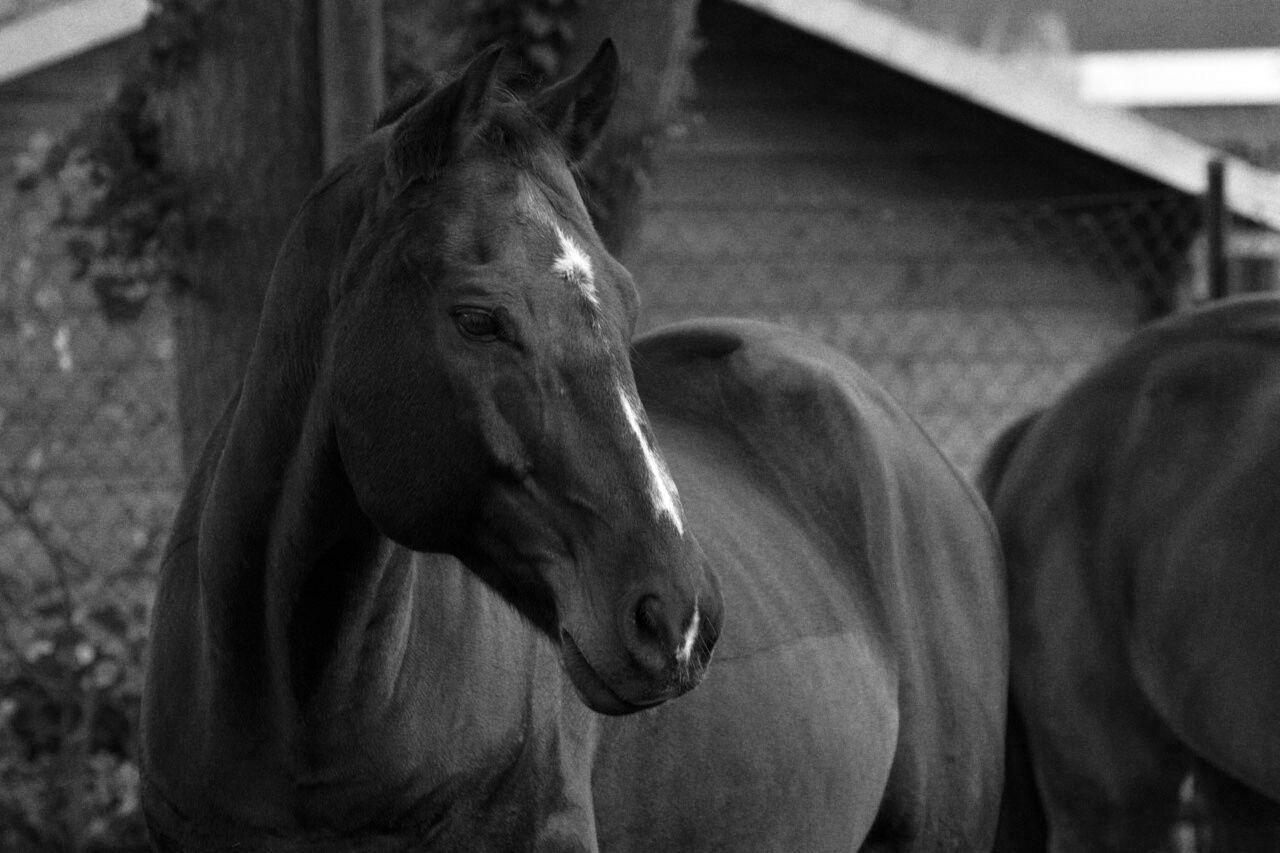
(639, 426)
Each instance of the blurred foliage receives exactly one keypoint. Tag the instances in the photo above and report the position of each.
(426, 40)
(539, 32)
(81, 408)
(116, 205)
(174, 32)
(122, 211)
(70, 685)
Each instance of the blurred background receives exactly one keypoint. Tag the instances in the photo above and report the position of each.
(976, 199)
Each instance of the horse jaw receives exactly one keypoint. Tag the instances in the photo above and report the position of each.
(590, 687)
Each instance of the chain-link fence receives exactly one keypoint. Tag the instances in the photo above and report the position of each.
(89, 480)
(968, 313)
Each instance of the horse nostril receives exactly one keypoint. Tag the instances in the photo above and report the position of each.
(650, 624)
(661, 638)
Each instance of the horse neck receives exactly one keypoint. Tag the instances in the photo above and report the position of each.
(289, 566)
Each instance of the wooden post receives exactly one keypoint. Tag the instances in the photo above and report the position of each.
(1215, 225)
(241, 130)
(351, 72)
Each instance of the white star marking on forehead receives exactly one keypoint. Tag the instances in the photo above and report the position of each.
(662, 489)
(573, 265)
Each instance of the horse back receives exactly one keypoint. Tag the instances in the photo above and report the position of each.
(854, 475)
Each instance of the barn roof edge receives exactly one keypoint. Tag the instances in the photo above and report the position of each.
(1163, 155)
(60, 31)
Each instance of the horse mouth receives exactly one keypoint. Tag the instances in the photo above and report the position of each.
(595, 694)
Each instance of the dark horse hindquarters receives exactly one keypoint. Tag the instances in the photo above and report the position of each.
(438, 520)
(1138, 515)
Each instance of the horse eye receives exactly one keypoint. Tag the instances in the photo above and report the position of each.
(477, 325)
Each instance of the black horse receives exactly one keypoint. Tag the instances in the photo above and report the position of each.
(1140, 516)
(438, 516)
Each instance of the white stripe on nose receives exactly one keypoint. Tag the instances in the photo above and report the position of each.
(690, 636)
(573, 265)
(662, 489)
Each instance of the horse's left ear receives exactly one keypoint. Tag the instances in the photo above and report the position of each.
(576, 108)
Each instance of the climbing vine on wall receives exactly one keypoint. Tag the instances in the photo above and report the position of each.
(539, 32)
(121, 210)
(124, 212)
(115, 203)
(174, 32)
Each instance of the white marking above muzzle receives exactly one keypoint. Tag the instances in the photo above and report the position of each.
(685, 652)
(662, 489)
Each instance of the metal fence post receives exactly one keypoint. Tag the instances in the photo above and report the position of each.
(1215, 224)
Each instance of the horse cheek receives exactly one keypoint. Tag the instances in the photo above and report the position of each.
(410, 463)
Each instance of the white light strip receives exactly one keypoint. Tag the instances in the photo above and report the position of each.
(1180, 78)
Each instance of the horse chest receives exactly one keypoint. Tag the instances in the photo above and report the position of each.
(788, 748)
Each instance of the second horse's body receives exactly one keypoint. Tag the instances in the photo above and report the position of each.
(1139, 518)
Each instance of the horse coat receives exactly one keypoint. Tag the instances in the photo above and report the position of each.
(1138, 515)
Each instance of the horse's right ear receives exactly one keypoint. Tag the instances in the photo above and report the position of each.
(575, 109)
(439, 128)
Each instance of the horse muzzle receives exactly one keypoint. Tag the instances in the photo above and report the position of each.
(656, 657)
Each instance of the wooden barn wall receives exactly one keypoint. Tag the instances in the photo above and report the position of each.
(51, 99)
(804, 189)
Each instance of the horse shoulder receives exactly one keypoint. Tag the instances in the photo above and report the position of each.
(839, 451)
(910, 541)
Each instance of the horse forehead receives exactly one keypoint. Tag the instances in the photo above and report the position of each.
(532, 204)
(572, 262)
(528, 219)
(534, 208)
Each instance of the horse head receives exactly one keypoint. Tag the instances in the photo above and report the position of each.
(482, 396)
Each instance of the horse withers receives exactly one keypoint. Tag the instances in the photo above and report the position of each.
(448, 514)
(1138, 515)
